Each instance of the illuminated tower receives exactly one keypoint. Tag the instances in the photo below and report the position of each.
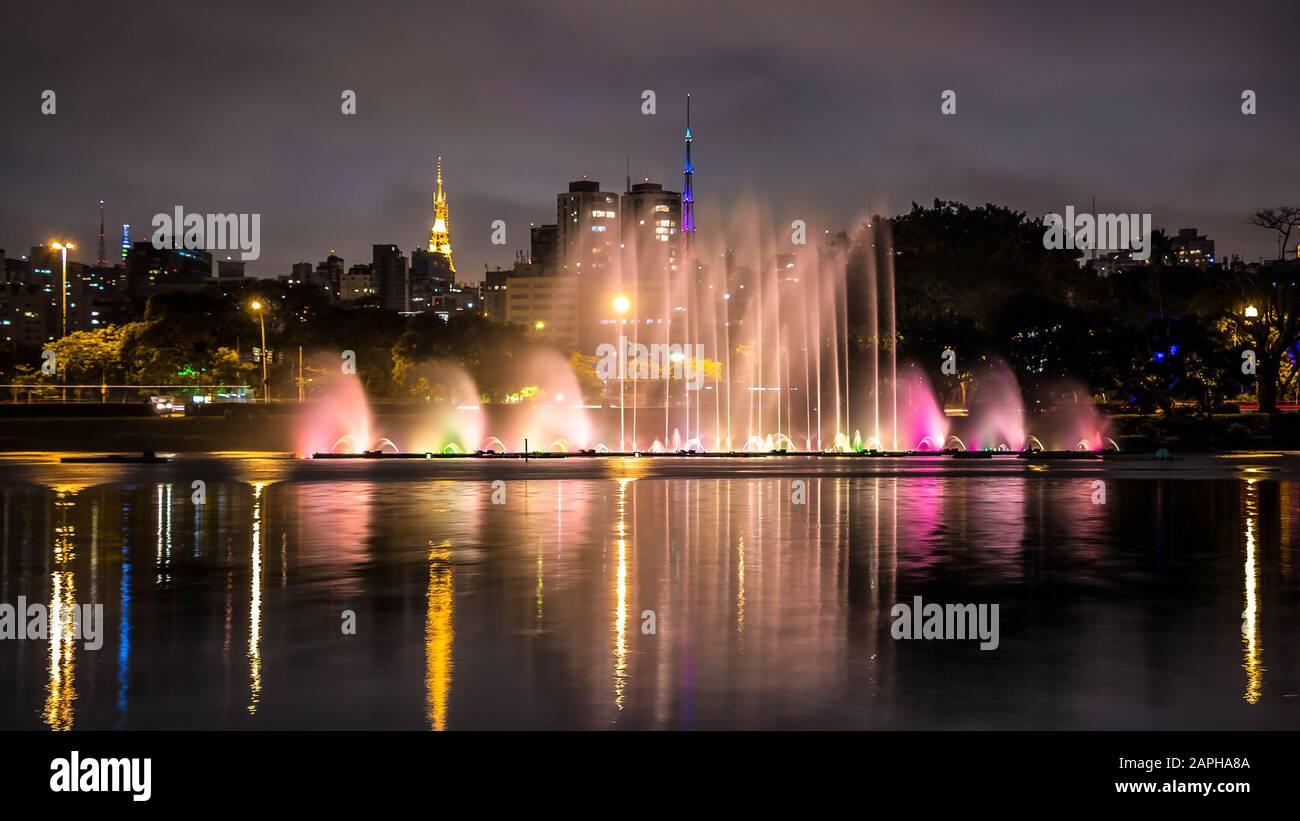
(688, 195)
(440, 236)
(103, 260)
(126, 240)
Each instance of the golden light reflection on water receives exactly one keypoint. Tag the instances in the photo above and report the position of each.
(255, 606)
(163, 534)
(1252, 647)
(831, 572)
(620, 595)
(438, 635)
(740, 585)
(61, 688)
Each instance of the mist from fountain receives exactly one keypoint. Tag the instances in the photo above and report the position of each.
(553, 414)
(453, 419)
(797, 360)
(996, 409)
(337, 421)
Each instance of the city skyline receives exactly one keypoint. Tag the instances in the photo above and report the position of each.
(924, 367)
(774, 106)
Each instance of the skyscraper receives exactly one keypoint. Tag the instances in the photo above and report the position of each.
(588, 230)
(651, 235)
(440, 235)
(392, 278)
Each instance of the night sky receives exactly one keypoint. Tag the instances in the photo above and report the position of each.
(816, 109)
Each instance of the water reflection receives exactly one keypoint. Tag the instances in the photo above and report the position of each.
(620, 597)
(439, 634)
(1252, 650)
(767, 612)
(61, 689)
(124, 616)
(255, 605)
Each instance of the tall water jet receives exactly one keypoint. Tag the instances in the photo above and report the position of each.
(920, 421)
(1070, 420)
(997, 411)
(452, 420)
(552, 408)
(338, 420)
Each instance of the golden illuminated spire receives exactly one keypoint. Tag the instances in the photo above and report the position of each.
(440, 236)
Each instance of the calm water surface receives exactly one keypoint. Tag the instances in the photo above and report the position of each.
(1175, 604)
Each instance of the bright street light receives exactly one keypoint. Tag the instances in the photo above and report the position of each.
(256, 305)
(63, 247)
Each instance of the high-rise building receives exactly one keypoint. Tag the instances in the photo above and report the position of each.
(440, 234)
(549, 306)
(543, 248)
(150, 269)
(1191, 248)
(493, 293)
(392, 279)
(328, 273)
(431, 276)
(25, 316)
(651, 232)
(126, 242)
(357, 283)
(587, 231)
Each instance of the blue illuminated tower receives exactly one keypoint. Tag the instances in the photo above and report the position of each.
(688, 195)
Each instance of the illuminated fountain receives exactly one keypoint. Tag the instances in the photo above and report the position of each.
(451, 422)
(997, 411)
(551, 416)
(922, 425)
(338, 421)
(794, 356)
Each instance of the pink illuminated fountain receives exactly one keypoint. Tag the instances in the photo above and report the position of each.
(780, 353)
(337, 422)
(997, 410)
(922, 425)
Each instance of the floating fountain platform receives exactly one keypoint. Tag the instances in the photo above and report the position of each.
(1032, 455)
(1037, 455)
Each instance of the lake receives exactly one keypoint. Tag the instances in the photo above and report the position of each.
(626, 593)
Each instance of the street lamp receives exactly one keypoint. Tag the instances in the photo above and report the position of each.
(621, 306)
(261, 320)
(1251, 312)
(63, 291)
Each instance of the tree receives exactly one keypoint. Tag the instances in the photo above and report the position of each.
(1283, 220)
(1271, 333)
(487, 350)
(93, 356)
